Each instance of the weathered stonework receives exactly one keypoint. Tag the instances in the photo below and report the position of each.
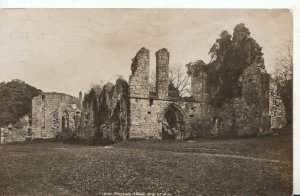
(276, 109)
(52, 113)
(198, 74)
(162, 73)
(139, 79)
(253, 113)
(18, 132)
(116, 125)
(127, 111)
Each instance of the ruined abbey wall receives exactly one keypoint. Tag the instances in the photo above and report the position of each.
(254, 113)
(276, 109)
(127, 111)
(53, 112)
(18, 132)
(148, 113)
(139, 79)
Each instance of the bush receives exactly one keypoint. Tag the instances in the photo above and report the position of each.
(67, 135)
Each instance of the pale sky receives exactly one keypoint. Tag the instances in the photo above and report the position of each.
(66, 50)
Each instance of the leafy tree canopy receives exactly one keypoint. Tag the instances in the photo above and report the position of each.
(230, 55)
(15, 100)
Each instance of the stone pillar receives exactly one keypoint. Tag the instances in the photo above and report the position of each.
(197, 71)
(162, 73)
(80, 100)
(139, 79)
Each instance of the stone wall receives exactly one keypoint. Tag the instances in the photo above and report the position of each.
(108, 117)
(87, 126)
(276, 109)
(52, 113)
(144, 118)
(116, 127)
(253, 112)
(139, 79)
(198, 121)
(18, 132)
(147, 117)
(148, 114)
(199, 111)
(198, 73)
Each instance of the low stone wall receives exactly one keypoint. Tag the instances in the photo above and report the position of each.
(19, 132)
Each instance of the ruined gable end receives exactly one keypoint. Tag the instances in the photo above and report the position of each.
(52, 113)
(139, 79)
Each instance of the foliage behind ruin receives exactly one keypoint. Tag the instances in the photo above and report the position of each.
(230, 56)
(15, 100)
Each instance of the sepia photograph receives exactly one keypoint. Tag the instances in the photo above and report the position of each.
(146, 102)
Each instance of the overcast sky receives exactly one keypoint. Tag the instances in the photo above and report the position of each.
(66, 50)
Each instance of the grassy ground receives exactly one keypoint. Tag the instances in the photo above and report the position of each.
(252, 166)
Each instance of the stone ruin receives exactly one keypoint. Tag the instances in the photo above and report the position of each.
(256, 112)
(130, 111)
(54, 112)
(108, 118)
(18, 132)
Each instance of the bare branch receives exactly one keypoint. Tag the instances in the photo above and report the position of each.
(178, 77)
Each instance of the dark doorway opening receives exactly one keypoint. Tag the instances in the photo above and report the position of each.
(65, 123)
(172, 123)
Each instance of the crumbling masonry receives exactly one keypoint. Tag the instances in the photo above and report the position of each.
(126, 111)
(52, 113)
(256, 112)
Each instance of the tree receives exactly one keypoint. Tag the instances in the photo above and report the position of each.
(178, 79)
(15, 101)
(284, 78)
(230, 56)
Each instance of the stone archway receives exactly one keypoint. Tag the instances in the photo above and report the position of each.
(171, 122)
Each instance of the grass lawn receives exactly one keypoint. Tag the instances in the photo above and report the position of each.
(252, 166)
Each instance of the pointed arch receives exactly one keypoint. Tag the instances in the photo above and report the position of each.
(171, 122)
(176, 109)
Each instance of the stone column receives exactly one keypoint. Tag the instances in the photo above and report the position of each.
(80, 100)
(198, 81)
(162, 73)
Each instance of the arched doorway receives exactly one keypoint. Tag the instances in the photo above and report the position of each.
(171, 122)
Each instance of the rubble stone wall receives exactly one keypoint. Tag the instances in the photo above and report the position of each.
(198, 74)
(276, 109)
(51, 113)
(17, 132)
(253, 112)
(139, 79)
(146, 119)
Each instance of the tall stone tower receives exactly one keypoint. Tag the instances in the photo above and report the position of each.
(139, 78)
(197, 71)
(162, 73)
